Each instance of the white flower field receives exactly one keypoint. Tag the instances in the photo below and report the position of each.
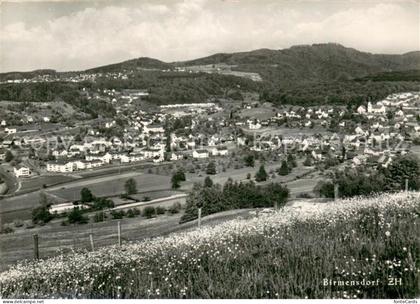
(289, 253)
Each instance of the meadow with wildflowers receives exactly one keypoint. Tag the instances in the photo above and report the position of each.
(287, 253)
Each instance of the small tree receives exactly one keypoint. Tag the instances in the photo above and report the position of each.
(130, 186)
(86, 195)
(211, 168)
(208, 182)
(42, 215)
(291, 160)
(160, 210)
(175, 208)
(177, 178)
(249, 160)
(284, 168)
(76, 216)
(149, 212)
(9, 156)
(175, 182)
(308, 161)
(261, 175)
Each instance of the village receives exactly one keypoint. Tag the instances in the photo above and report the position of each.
(374, 133)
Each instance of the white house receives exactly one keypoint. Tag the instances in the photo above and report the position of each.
(22, 171)
(60, 153)
(361, 110)
(379, 108)
(200, 153)
(219, 151)
(153, 153)
(60, 166)
(175, 156)
(254, 126)
(104, 158)
(10, 130)
(153, 128)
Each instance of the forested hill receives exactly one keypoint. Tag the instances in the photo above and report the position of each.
(302, 75)
(317, 62)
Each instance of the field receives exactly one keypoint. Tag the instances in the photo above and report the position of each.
(275, 255)
(33, 184)
(55, 239)
(19, 207)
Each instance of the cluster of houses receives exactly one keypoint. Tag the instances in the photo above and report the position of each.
(145, 138)
(69, 77)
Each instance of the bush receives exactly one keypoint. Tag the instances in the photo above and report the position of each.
(102, 203)
(160, 210)
(76, 217)
(41, 215)
(132, 212)
(117, 215)
(149, 212)
(175, 208)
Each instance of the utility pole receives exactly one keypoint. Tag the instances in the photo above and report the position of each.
(92, 247)
(119, 233)
(336, 192)
(199, 217)
(36, 248)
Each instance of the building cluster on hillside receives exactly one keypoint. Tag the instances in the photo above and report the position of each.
(372, 134)
(70, 77)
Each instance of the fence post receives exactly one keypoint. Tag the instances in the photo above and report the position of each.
(335, 192)
(119, 233)
(199, 217)
(91, 242)
(36, 248)
(406, 185)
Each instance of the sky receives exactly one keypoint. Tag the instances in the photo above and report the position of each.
(79, 34)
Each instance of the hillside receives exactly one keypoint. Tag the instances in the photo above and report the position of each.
(302, 75)
(132, 65)
(317, 62)
(276, 255)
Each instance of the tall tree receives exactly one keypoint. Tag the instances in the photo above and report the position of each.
(130, 186)
(86, 195)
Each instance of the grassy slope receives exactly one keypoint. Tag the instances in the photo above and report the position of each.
(284, 255)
